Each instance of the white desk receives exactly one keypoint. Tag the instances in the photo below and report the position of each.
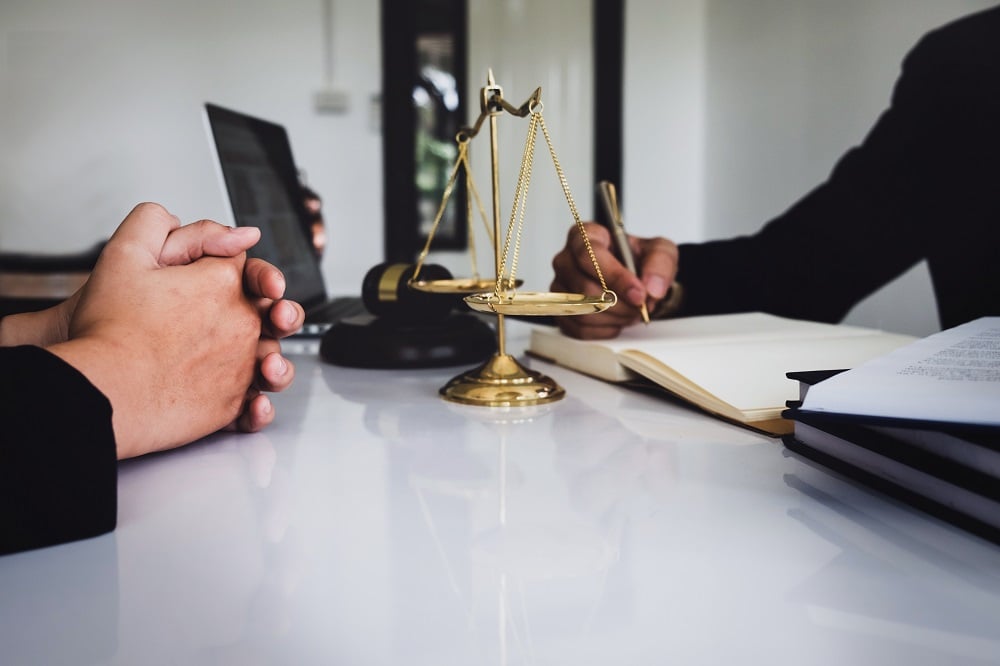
(375, 523)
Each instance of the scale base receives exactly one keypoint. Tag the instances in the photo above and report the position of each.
(502, 382)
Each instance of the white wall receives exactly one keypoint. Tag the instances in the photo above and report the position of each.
(762, 97)
(100, 109)
(664, 118)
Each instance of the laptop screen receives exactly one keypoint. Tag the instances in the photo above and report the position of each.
(263, 189)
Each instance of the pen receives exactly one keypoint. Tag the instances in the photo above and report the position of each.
(612, 219)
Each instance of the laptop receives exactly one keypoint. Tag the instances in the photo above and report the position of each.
(261, 183)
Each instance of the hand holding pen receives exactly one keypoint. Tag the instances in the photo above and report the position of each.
(645, 283)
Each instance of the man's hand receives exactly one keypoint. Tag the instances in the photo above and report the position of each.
(265, 285)
(656, 261)
(180, 349)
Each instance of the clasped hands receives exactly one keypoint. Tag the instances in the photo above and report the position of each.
(177, 328)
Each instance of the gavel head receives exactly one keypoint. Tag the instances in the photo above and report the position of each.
(387, 294)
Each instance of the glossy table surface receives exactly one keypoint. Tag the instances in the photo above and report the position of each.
(375, 523)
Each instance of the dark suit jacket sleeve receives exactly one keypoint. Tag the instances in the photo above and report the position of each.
(58, 464)
(922, 185)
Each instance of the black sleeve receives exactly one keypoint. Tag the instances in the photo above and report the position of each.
(911, 191)
(58, 463)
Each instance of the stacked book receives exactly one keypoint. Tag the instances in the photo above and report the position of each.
(921, 423)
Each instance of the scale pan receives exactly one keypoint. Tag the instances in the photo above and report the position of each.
(541, 303)
(460, 285)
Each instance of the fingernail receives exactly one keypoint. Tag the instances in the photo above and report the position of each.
(656, 286)
(282, 366)
(246, 232)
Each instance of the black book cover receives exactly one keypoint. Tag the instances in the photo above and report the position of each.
(951, 471)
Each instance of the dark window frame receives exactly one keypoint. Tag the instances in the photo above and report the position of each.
(401, 22)
(609, 64)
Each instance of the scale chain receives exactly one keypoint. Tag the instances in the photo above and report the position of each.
(572, 205)
(517, 211)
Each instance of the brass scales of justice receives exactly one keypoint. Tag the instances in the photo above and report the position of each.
(502, 381)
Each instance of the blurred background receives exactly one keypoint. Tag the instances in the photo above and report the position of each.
(729, 111)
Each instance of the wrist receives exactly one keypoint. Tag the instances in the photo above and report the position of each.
(42, 328)
(101, 364)
(19, 329)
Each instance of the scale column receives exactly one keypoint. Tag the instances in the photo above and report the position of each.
(494, 110)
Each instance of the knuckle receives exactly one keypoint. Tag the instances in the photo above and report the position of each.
(150, 208)
(230, 274)
(116, 250)
(203, 226)
(559, 260)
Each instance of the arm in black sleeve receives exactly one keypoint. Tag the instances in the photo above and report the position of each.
(58, 463)
(921, 186)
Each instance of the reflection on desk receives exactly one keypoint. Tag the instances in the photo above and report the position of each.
(375, 523)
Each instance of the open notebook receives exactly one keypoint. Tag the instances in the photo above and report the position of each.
(732, 366)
